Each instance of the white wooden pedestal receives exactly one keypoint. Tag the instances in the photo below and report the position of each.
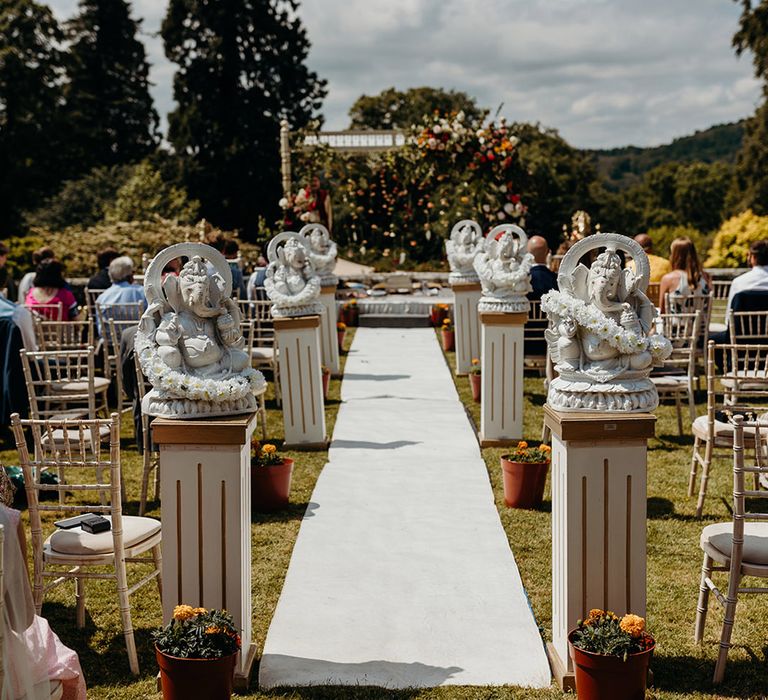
(301, 382)
(501, 408)
(599, 467)
(466, 324)
(205, 486)
(329, 337)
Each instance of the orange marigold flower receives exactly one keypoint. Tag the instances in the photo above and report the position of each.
(475, 361)
(545, 448)
(522, 445)
(183, 612)
(269, 449)
(595, 613)
(213, 630)
(199, 611)
(634, 625)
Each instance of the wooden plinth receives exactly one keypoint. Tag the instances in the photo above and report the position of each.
(329, 337)
(501, 408)
(205, 483)
(467, 325)
(301, 381)
(599, 468)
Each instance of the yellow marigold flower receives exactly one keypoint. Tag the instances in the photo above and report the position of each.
(595, 612)
(545, 448)
(522, 445)
(269, 449)
(183, 612)
(475, 361)
(213, 630)
(634, 625)
(199, 611)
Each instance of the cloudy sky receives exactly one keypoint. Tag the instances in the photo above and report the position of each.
(603, 72)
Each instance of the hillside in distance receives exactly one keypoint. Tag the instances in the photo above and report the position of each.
(622, 167)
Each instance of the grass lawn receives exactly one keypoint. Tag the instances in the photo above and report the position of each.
(682, 669)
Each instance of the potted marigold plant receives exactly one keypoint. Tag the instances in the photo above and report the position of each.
(524, 473)
(449, 337)
(611, 656)
(341, 330)
(270, 477)
(350, 312)
(439, 313)
(476, 379)
(196, 653)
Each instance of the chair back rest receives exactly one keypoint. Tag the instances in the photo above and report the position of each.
(47, 372)
(690, 303)
(50, 312)
(248, 329)
(115, 330)
(748, 326)
(757, 432)
(682, 330)
(63, 335)
(653, 293)
(264, 325)
(537, 323)
(118, 312)
(81, 452)
(721, 288)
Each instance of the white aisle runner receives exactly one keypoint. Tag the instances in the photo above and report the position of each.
(402, 575)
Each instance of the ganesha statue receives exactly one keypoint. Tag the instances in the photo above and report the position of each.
(189, 343)
(465, 242)
(504, 269)
(600, 330)
(322, 252)
(291, 282)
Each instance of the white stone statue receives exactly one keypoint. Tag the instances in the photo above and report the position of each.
(600, 321)
(291, 281)
(322, 252)
(504, 269)
(189, 343)
(465, 242)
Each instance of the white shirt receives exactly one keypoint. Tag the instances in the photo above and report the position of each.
(755, 279)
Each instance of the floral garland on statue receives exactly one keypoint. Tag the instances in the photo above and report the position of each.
(605, 328)
(165, 378)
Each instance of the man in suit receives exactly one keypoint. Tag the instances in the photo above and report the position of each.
(543, 279)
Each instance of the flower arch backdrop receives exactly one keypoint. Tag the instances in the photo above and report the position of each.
(400, 204)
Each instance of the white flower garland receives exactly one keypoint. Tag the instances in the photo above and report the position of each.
(604, 327)
(165, 378)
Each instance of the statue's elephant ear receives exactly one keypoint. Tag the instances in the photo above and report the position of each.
(215, 290)
(628, 283)
(576, 283)
(172, 292)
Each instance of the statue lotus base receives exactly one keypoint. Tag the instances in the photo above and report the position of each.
(510, 305)
(312, 309)
(157, 403)
(632, 394)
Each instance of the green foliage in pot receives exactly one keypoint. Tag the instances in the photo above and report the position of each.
(197, 633)
(605, 633)
(476, 367)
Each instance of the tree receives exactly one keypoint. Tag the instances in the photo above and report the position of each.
(30, 100)
(109, 109)
(145, 196)
(394, 109)
(750, 184)
(241, 70)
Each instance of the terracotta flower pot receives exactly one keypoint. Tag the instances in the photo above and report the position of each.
(449, 339)
(182, 679)
(341, 335)
(476, 383)
(438, 315)
(523, 483)
(600, 677)
(326, 383)
(270, 486)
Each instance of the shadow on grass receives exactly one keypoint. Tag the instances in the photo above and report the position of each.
(294, 511)
(693, 674)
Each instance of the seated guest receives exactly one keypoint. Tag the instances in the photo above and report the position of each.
(44, 253)
(49, 295)
(33, 656)
(122, 290)
(231, 252)
(543, 280)
(659, 266)
(756, 279)
(22, 318)
(255, 290)
(101, 279)
(687, 276)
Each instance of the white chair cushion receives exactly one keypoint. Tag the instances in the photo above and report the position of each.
(670, 381)
(720, 536)
(99, 383)
(78, 541)
(724, 430)
(73, 435)
(262, 353)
